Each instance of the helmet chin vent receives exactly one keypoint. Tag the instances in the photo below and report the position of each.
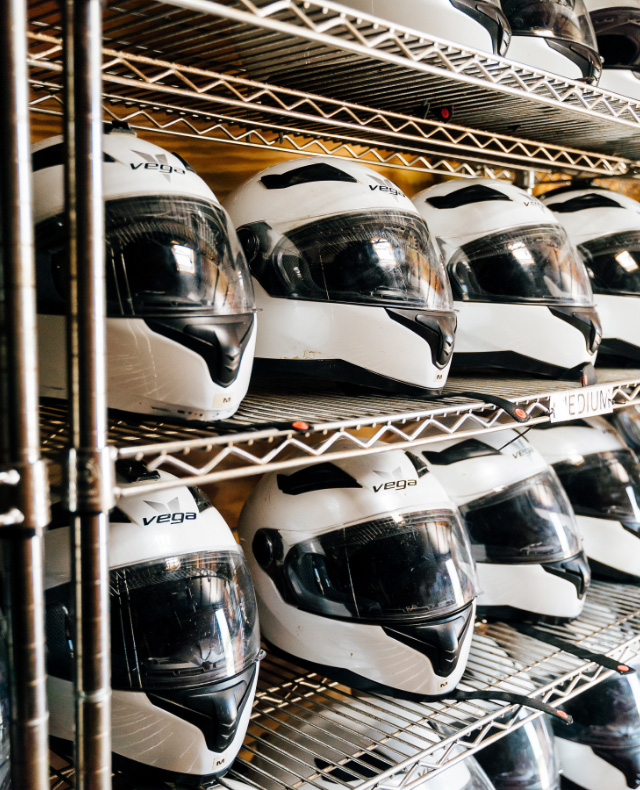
(316, 478)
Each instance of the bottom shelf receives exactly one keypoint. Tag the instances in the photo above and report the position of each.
(309, 731)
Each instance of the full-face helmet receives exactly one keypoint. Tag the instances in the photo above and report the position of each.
(521, 289)
(617, 28)
(523, 533)
(347, 276)
(180, 306)
(362, 569)
(605, 226)
(555, 36)
(601, 476)
(184, 636)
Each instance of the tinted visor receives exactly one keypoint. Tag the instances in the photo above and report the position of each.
(604, 485)
(178, 622)
(618, 33)
(627, 421)
(164, 256)
(378, 258)
(531, 521)
(607, 716)
(567, 20)
(396, 568)
(523, 760)
(613, 263)
(537, 264)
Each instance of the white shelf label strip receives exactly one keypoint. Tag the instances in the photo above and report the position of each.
(577, 404)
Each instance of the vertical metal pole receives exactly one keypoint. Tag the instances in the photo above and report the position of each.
(526, 179)
(90, 466)
(19, 424)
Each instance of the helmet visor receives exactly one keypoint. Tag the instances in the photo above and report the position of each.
(613, 263)
(607, 716)
(618, 32)
(395, 568)
(627, 422)
(564, 19)
(182, 621)
(531, 521)
(165, 256)
(169, 254)
(536, 264)
(523, 760)
(379, 258)
(603, 485)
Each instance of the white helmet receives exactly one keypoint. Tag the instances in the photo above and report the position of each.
(617, 27)
(479, 24)
(601, 476)
(605, 226)
(523, 533)
(362, 567)
(523, 760)
(184, 636)
(555, 36)
(522, 292)
(330, 748)
(601, 749)
(349, 281)
(180, 306)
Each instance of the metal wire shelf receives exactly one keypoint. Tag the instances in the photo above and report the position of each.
(251, 74)
(280, 429)
(300, 716)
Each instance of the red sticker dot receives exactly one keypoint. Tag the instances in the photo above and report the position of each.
(623, 668)
(445, 113)
(520, 414)
(300, 426)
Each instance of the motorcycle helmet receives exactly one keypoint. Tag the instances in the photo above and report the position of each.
(523, 760)
(627, 423)
(601, 749)
(617, 28)
(184, 636)
(601, 476)
(346, 274)
(522, 292)
(479, 24)
(555, 36)
(523, 533)
(362, 569)
(605, 226)
(330, 748)
(180, 306)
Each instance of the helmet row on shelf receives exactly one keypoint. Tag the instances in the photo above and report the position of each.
(593, 40)
(352, 280)
(369, 570)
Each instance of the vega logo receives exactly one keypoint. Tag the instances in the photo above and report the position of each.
(168, 514)
(158, 163)
(392, 484)
(384, 185)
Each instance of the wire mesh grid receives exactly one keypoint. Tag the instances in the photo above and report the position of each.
(307, 729)
(195, 102)
(278, 429)
(321, 47)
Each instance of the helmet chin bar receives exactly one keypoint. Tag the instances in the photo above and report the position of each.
(439, 640)
(219, 340)
(214, 708)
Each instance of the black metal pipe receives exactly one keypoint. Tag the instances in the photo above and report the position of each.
(21, 543)
(90, 467)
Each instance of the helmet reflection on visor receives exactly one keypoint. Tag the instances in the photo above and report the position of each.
(564, 24)
(530, 521)
(535, 264)
(523, 760)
